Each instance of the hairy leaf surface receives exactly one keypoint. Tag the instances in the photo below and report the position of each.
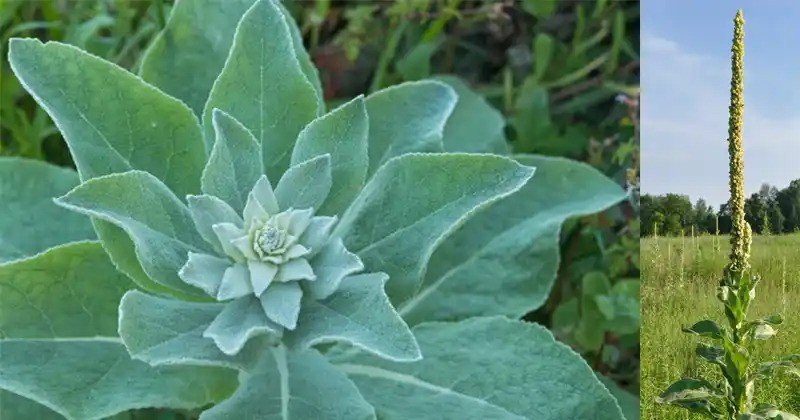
(30, 221)
(58, 323)
(474, 126)
(263, 86)
(406, 118)
(293, 385)
(163, 331)
(112, 120)
(159, 224)
(360, 313)
(416, 200)
(482, 368)
(235, 162)
(503, 261)
(196, 42)
(342, 133)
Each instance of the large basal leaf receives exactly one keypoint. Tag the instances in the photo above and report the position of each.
(158, 223)
(482, 368)
(503, 261)
(342, 133)
(360, 313)
(195, 42)
(474, 127)
(13, 406)
(58, 344)
(263, 86)
(291, 385)
(416, 200)
(306, 65)
(96, 378)
(30, 221)
(405, 118)
(111, 120)
(71, 290)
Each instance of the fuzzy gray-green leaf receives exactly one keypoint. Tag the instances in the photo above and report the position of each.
(263, 86)
(504, 259)
(358, 313)
(342, 133)
(195, 42)
(163, 331)
(475, 126)
(235, 162)
(30, 221)
(306, 184)
(406, 118)
(413, 202)
(58, 327)
(293, 385)
(479, 369)
(95, 378)
(71, 290)
(111, 120)
(159, 224)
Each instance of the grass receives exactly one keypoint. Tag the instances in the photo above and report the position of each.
(679, 281)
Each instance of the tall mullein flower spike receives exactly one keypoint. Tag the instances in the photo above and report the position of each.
(740, 241)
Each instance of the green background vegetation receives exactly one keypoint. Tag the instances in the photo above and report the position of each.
(565, 74)
(679, 281)
(768, 211)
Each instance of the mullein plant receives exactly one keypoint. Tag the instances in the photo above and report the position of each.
(229, 244)
(732, 345)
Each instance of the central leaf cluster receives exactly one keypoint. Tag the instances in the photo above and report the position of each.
(274, 245)
(265, 260)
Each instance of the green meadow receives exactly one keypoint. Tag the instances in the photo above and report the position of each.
(679, 280)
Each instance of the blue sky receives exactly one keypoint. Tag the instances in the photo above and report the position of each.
(685, 82)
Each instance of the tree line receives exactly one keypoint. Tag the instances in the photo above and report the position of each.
(769, 211)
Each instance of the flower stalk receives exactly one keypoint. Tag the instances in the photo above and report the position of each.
(732, 399)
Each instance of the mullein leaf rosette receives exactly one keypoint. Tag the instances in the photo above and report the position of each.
(252, 227)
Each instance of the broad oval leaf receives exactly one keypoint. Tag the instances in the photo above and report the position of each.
(405, 118)
(70, 290)
(392, 236)
(159, 224)
(263, 86)
(342, 133)
(111, 120)
(96, 378)
(503, 261)
(196, 42)
(58, 317)
(13, 406)
(482, 368)
(30, 221)
(359, 313)
(292, 385)
(475, 126)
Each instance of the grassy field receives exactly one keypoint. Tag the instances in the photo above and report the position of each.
(679, 280)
